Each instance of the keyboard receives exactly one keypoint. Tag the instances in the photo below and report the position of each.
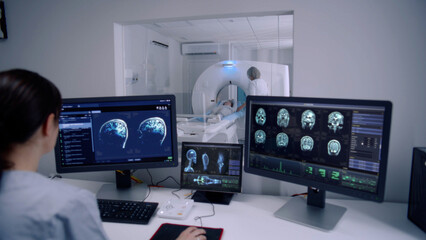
(124, 211)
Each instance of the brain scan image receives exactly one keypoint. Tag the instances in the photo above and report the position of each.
(306, 143)
(308, 119)
(259, 137)
(282, 140)
(206, 180)
(220, 162)
(153, 130)
(205, 159)
(261, 116)
(114, 133)
(283, 118)
(191, 156)
(335, 121)
(333, 147)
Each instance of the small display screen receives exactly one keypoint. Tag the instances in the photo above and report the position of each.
(212, 167)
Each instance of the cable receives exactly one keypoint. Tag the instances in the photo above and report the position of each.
(150, 176)
(299, 194)
(169, 177)
(205, 216)
(55, 176)
(149, 192)
(174, 192)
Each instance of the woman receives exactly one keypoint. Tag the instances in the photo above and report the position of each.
(31, 205)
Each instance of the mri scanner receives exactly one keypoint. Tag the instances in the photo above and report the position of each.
(207, 94)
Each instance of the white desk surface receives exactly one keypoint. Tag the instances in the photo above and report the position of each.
(250, 216)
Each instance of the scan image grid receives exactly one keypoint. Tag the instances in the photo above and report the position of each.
(301, 133)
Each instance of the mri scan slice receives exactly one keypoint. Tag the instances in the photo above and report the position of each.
(261, 116)
(220, 162)
(306, 143)
(206, 180)
(282, 140)
(335, 121)
(191, 156)
(114, 132)
(205, 159)
(259, 137)
(153, 130)
(283, 118)
(308, 119)
(333, 147)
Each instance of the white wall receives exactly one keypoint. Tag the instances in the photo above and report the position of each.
(374, 49)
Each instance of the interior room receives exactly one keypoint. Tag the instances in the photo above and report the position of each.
(199, 51)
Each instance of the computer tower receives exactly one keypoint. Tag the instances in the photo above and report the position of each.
(417, 197)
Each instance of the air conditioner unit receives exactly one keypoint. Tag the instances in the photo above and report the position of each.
(200, 48)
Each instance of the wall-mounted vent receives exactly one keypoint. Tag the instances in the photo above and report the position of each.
(200, 48)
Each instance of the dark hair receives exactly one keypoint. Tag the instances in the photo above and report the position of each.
(26, 100)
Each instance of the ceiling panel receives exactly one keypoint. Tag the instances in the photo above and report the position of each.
(253, 32)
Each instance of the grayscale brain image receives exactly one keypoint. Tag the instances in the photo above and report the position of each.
(283, 118)
(333, 147)
(306, 143)
(308, 119)
(335, 121)
(114, 133)
(152, 129)
(282, 140)
(191, 157)
(260, 116)
(260, 137)
(314, 134)
(131, 134)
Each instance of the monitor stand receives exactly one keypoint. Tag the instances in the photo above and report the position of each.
(314, 212)
(123, 188)
(212, 197)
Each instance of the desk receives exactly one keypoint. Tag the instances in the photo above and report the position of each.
(250, 216)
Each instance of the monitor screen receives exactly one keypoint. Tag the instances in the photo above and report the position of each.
(110, 133)
(212, 167)
(337, 145)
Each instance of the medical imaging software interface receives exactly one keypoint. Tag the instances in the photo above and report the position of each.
(326, 143)
(211, 167)
(99, 133)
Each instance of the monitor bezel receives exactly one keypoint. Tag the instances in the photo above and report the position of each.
(128, 165)
(241, 149)
(378, 197)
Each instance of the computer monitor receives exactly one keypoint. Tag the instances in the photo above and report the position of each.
(213, 169)
(117, 133)
(338, 145)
